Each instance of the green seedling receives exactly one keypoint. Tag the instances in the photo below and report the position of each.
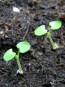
(22, 48)
(54, 25)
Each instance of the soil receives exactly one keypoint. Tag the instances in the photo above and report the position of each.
(42, 66)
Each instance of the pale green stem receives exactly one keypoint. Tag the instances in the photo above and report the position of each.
(18, 62)
(50, 38)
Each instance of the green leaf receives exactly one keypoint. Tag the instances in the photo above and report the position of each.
(55, 25)
(23, 46)
(40, 30)
(9, 55)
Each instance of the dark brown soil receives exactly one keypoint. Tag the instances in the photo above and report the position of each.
(42, 66)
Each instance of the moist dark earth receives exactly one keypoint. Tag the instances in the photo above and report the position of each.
(42, 66)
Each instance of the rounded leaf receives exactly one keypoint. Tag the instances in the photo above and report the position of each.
(9, 55)
(23, 46)
(55, 25)
(40, 30)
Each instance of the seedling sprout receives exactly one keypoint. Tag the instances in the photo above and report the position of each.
(22, 48)
(41, 30)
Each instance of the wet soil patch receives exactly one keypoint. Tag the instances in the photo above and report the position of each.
(43, 67)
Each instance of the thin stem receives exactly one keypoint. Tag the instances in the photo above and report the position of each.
(50, 38)
(18, 62)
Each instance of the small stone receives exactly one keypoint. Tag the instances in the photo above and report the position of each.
(29, 64)
(15, 9)
(1, 32)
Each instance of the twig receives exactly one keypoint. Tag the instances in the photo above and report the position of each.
(26, 32)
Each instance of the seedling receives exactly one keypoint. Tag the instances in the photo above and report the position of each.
(54, 25)
(22, 48)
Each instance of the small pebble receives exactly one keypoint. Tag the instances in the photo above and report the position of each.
(15, 9)
(1, 32)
